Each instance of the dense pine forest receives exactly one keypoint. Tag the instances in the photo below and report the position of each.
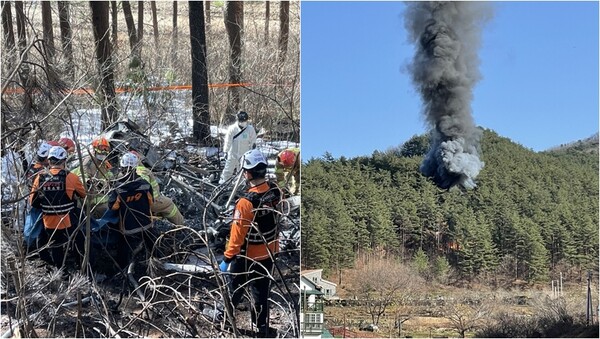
(532, 214)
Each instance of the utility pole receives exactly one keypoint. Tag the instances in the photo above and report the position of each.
(400, 329)
(561, 285)
(588, 311)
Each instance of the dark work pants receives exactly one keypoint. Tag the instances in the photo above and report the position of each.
(253, 276)
(60, 246)
(127, 245)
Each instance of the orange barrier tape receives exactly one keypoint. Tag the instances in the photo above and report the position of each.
(20, 90)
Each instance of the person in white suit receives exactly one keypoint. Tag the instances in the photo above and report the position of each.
(240, 138)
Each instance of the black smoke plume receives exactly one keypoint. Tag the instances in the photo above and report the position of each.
(444, 71)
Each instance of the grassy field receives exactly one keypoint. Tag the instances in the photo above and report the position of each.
(429, 313)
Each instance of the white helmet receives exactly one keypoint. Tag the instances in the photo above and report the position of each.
(129, 160)
(252, 158)
(57, 152)
(44, 149)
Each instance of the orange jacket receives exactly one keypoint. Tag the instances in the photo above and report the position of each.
(242, 218)
(73, 186)
(33, 171)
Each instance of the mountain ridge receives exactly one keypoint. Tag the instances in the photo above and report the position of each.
(589, 145)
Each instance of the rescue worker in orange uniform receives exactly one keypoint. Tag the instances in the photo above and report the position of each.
(54, 192)
(98, 173)
(40, 163)
(132, 198)
(253, 240)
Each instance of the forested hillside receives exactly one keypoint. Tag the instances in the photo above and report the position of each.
(532, 214)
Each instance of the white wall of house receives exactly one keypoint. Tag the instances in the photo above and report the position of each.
(304, 285)
(328, 288)
(311, 318)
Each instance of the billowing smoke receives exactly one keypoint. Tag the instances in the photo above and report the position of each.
(445, 70)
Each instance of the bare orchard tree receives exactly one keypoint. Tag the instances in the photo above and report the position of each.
(379, 282)
(199, 73)
(104, 57)
(467, 312)
(234, 23)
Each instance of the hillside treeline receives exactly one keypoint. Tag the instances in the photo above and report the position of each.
(531, 217)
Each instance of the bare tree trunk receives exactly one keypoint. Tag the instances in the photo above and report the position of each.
(48, 31)
(7, 25)
(132, 32)
(154, 23)
(24, 75)
(104, 57)
(54, 81)
(234, 23)
(9, 34)
(201, 127)
(66, 36)
(207, 12)
(114, 15)
(21, 33)
(140, 35)
(284, 30)
(175, 36)
(267, 17)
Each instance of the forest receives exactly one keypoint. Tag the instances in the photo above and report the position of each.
(179, 71)
(532, 216)
(63, 61)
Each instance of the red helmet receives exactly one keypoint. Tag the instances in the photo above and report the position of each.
(53, 143)
(68, 144)
(286, 158)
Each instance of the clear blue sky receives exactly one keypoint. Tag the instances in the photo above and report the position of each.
(539, 62)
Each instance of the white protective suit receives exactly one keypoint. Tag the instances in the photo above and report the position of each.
(236, 144)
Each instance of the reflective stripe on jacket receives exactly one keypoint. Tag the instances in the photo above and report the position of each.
(147, 175)
(251, 224)
(54, 192)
